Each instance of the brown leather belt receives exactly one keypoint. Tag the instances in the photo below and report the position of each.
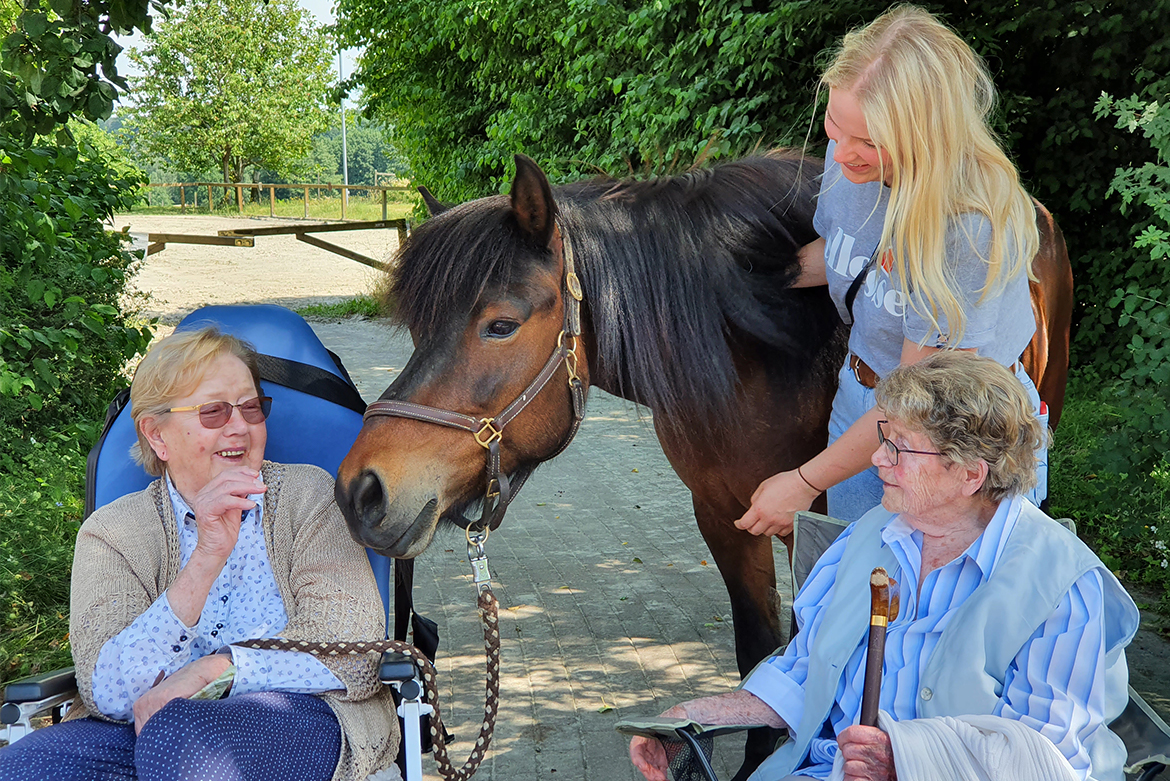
(868, 378)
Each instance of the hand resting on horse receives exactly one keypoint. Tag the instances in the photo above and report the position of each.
(782, 495)
(775, 502)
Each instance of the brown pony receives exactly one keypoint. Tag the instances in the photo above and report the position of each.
(686, 309)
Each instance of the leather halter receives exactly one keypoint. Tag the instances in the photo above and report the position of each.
(489, 432)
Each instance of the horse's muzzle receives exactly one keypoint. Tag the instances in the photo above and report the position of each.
(378, 524)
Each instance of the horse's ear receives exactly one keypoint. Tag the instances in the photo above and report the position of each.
(435, 207)
(532, 201)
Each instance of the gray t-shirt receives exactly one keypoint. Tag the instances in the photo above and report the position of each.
(850, 217)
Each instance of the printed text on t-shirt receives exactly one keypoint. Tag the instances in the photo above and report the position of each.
(877, 287)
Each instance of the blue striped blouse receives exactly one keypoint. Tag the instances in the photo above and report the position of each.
(1055, 685)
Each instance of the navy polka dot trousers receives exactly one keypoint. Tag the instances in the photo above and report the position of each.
(264, 736)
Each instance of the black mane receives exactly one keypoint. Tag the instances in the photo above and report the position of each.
(680, 274)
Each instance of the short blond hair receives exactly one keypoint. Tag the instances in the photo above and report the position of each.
(970, 408)
(173, 368)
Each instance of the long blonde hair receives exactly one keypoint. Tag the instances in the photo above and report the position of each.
(926, 96)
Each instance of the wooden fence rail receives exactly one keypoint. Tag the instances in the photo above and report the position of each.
(239, 187)
(246, 237)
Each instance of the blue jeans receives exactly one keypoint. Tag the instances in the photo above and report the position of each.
(853, 498)
(265, 736)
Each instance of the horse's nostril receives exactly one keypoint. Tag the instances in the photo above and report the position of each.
(369, 500)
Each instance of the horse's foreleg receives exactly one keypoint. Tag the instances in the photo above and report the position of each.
(746, 564)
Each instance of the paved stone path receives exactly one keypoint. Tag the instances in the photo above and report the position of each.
(609, 602)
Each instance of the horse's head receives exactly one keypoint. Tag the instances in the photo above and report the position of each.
(481, 289)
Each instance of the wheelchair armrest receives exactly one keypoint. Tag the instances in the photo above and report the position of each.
(395, 667)
(41, 687)
(668, 729)
(686, 731)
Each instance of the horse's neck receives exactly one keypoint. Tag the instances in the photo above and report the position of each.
(599, 377)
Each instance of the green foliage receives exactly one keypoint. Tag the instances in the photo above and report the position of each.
(60, 61)
(366, 146)
(1141, 305)
(106, 146)
(63, 340)
(648, 86)
(40, 504)
(1123, 514)
(230, 84)
(584, 86)
(1145, 195)
(1119, 479)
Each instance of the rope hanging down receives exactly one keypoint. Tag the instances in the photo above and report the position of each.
(488, 432)
(489, 611)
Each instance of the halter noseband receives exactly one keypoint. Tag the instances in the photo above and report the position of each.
(489, 432)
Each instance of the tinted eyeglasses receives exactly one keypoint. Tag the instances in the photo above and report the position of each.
(894, 450)
(216, 414)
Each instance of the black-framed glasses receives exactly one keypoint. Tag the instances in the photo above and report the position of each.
(894, 450)
(216, 414)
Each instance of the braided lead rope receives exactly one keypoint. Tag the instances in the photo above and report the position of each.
(489, 610)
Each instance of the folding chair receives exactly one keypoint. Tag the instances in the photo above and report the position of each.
(1145, 734)
(316, 416)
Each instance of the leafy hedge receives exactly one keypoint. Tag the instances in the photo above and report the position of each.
(1120, 480)
(64, 333)
(649, 86)
(40, 504)
(63, 340)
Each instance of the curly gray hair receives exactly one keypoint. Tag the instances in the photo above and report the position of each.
(970, 408)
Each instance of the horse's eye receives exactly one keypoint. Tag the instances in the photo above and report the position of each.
(499, 329)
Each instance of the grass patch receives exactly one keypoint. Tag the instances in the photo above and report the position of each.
(41, 503)
(360, 306)
(1123, 517)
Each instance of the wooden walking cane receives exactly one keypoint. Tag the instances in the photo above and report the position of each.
(883, 608)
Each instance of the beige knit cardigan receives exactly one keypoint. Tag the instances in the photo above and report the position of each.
(127, 554)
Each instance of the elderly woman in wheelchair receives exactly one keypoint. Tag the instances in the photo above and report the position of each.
(224, 547)
(1011, 633)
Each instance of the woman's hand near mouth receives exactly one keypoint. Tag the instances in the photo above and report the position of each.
(218, 508)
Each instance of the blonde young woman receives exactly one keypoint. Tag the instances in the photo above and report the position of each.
(913, 169)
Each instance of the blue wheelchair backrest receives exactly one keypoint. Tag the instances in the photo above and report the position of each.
(303, 427)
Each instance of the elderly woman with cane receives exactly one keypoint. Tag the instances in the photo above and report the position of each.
(169, 583)
(1010, 631)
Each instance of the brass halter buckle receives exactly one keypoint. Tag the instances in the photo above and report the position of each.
(570, 355)
(488, 433)
(573, 283)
